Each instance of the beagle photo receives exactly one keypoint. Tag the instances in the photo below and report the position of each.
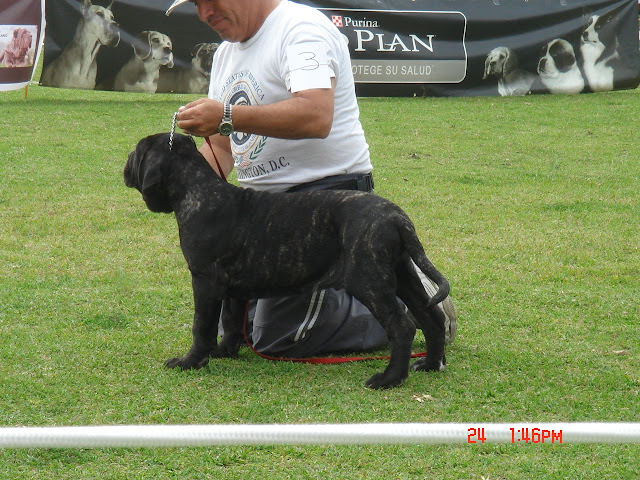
(502, 62)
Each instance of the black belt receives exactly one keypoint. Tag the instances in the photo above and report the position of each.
(362, 182)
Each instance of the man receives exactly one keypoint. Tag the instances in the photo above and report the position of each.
(282, 110)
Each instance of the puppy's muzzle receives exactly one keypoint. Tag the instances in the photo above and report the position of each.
(129, 177)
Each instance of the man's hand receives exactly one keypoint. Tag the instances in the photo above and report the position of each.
(200, 118)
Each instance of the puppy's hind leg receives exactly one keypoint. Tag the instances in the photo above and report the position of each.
(400, 332)
(233, 313)
(430, 319)
(205, 327)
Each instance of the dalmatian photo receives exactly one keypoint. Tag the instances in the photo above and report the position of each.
(502, 62)
(19, 52)
(193, 79)
(76, 66)
(244, 244)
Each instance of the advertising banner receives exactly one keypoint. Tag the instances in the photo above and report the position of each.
(21, 27)
(398, 47)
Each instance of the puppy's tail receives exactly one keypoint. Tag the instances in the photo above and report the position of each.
(416, 252)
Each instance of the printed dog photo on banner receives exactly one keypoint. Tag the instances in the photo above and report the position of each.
(585, 60)
(599, 47)
(434, 48)
(76, 66)
(17, 45)
(116, 46)
(192, 79)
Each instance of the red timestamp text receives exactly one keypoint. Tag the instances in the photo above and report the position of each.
(518, 435)
(535, 435)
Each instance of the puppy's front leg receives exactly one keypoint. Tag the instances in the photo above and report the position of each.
(205, 326)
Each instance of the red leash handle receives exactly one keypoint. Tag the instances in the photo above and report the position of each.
(313, 360)
(222, 175)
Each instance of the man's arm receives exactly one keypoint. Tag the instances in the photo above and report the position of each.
(307, 114)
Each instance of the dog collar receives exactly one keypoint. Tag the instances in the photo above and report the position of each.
(173, 130)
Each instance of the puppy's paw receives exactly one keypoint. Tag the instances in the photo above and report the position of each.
(227, 350)
(187, 362)
(429, 365)
(383, 380)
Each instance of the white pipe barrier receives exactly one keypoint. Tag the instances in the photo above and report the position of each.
(136, 436)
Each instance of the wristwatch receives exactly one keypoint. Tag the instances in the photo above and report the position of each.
(226, 127)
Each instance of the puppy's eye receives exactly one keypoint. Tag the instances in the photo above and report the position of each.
(100, 14)
(155, 40)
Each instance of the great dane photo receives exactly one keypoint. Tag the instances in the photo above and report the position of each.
(76, 67)
(243, 244)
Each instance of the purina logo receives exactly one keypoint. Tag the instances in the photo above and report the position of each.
(385, 47)
(340, 21)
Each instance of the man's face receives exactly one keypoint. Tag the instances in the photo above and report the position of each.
(233, 20)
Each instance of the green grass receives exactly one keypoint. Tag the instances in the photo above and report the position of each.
(529, 205)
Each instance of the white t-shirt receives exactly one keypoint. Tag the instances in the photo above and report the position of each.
(262, 70)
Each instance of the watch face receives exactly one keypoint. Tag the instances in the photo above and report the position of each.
(225, 128)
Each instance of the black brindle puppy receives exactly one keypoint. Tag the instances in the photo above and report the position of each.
(240, 244)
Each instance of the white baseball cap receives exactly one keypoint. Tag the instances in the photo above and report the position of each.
(175, 4)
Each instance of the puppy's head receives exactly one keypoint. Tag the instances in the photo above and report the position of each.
(152, 46)
(500, 62)
(20, 43)
(557, 57)
(149, 165)
(203, 57)
(601, 29)
(23, 39)
(590, 34)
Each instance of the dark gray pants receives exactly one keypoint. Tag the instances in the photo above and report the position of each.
(319, 322)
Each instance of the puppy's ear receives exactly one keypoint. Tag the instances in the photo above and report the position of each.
(146, 170)
(487, 66)
(510, 63)
(196, 49)
(153, 188)
(565, 59)
(110, 5)
(142, 45)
